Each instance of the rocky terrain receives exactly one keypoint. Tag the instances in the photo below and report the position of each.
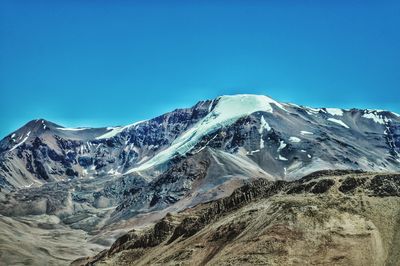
(326, 218)
(71, 192)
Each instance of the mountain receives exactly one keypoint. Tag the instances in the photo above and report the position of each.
(89, 185)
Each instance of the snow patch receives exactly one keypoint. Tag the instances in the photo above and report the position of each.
(281, 158)
(339, 122)
(303, 132)
(334, 111)
(113, 172)
(294, 139)
(282, 145)
(252, 152)
(376, 117)
(263, 125)
(19, 144)
(211, 104)
(71, 129)
(313, 111)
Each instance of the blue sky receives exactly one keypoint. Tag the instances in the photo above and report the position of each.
(98, 63)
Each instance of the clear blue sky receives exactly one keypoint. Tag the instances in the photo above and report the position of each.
(97, 63)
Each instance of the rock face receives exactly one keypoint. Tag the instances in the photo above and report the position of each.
(311, 221)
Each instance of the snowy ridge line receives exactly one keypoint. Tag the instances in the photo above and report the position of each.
(72, 129)
(116, 130)
(227, 111)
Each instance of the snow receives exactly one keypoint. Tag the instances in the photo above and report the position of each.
(281, 158)
(375, 117)
(313, 111)
(211, 104)
(302, 150)
(396, 114)
(339, 122)
(71, 129)
(19, 144)
(282, 145)
(263, 125)
(252, 152)
(13, 135)
(334, 111)
(309, 156)
(303, 132)
(27, 134)
(116, 130)
(294, 139)
(227, 111)
(113, 172)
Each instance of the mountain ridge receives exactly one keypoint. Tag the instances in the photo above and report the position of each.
(199, 121)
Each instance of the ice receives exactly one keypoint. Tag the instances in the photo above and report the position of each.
(334, 111)
(303, 132)
(227, 111)
(294, 139)
(339, 122)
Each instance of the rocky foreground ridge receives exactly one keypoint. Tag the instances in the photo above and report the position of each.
(325, 218)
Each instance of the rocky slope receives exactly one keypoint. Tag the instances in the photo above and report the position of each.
(327, 218)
